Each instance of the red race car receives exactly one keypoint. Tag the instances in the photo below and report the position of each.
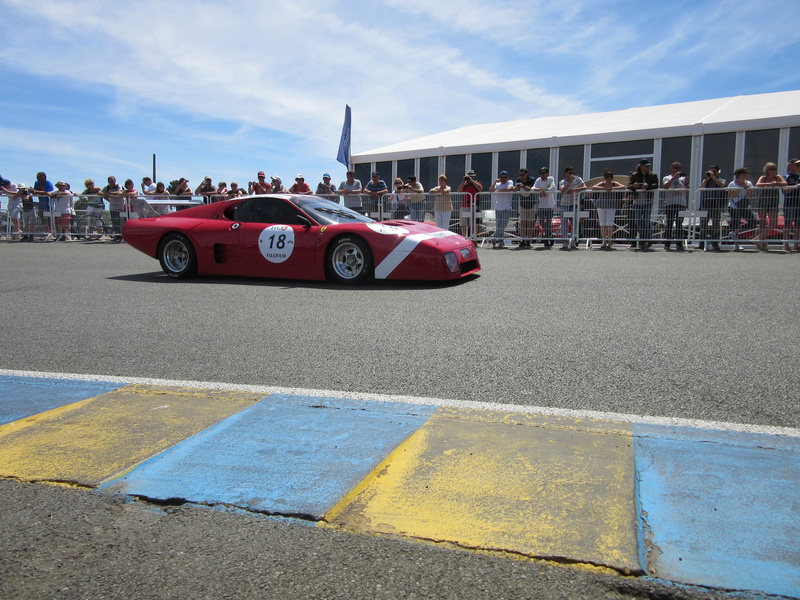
(296, 237)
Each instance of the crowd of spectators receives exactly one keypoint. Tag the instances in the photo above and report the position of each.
(749, 206)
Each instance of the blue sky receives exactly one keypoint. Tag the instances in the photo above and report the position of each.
(94, 88)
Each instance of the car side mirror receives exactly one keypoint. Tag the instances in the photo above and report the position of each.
(301, 220)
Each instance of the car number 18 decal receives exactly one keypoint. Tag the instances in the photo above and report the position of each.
(276, 243)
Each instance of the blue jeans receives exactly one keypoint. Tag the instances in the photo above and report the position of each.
(641, 216)
(567, 217)
(417, 211)
(501, 218)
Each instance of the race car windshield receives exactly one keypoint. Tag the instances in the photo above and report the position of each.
(326, 212)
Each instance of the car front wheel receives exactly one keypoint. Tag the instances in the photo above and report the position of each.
(350, 260)
(177, 256)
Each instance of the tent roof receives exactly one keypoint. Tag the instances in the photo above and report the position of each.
(761, 111)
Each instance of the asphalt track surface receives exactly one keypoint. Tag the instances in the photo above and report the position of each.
(673, 336)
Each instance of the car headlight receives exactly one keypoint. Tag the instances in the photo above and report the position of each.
(451, 260)
(466, 253)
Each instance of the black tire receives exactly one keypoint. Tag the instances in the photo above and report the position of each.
(177, 256)
(349, 260)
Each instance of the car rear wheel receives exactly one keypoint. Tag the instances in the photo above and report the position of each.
(350, 260)
(177, 256)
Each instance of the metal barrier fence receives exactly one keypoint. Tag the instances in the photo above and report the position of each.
(706, 217)
(89, 217)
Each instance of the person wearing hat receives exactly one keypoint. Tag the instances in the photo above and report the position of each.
(206, 190)
(262, 186)
(63, 209)
(642, 183)
(300, 186)
(325, 187)
(376, 188)
(470, 186)
(277, 185)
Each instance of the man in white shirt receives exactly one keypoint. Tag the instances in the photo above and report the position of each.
(502, 187)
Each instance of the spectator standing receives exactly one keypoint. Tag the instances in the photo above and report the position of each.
(545, 188)
(470, 187)
(641, 184)
(63, 209)
(221, 193)
(300, 186)
(375, 189)
(131, 195)
(397, 200)
(607, 199)
(28, 211)
(277, 185)
(676, 199)
(325, 187)
(768, 201)
(235, 190)
(712, 199)
(350, 189)
(116, 204)
(443, 205)
(416, 199)
(183, 190)
(571, 188)
(791, 207)
(14, 206)
(501, 188)
(43, 185)
(739, 191)
(206, 189)
(527, 208)
(148, 187)
(262, 186)
(162, 194)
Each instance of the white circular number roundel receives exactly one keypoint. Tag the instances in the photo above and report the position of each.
(276, 243)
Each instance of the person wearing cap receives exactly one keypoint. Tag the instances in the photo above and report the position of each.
(545, 188)
(712, 200)
(501, 188)
(325, 187)
(376, 188)
(277, 185)
(642, 183)
(262, 186)
(300, 186)
(63, 208)
(470, 186)
(206, 190)
(791, 206)
(350, 189)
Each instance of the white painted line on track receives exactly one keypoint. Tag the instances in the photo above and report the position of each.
(496, 406)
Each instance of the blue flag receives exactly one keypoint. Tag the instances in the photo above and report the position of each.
(344, 143)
